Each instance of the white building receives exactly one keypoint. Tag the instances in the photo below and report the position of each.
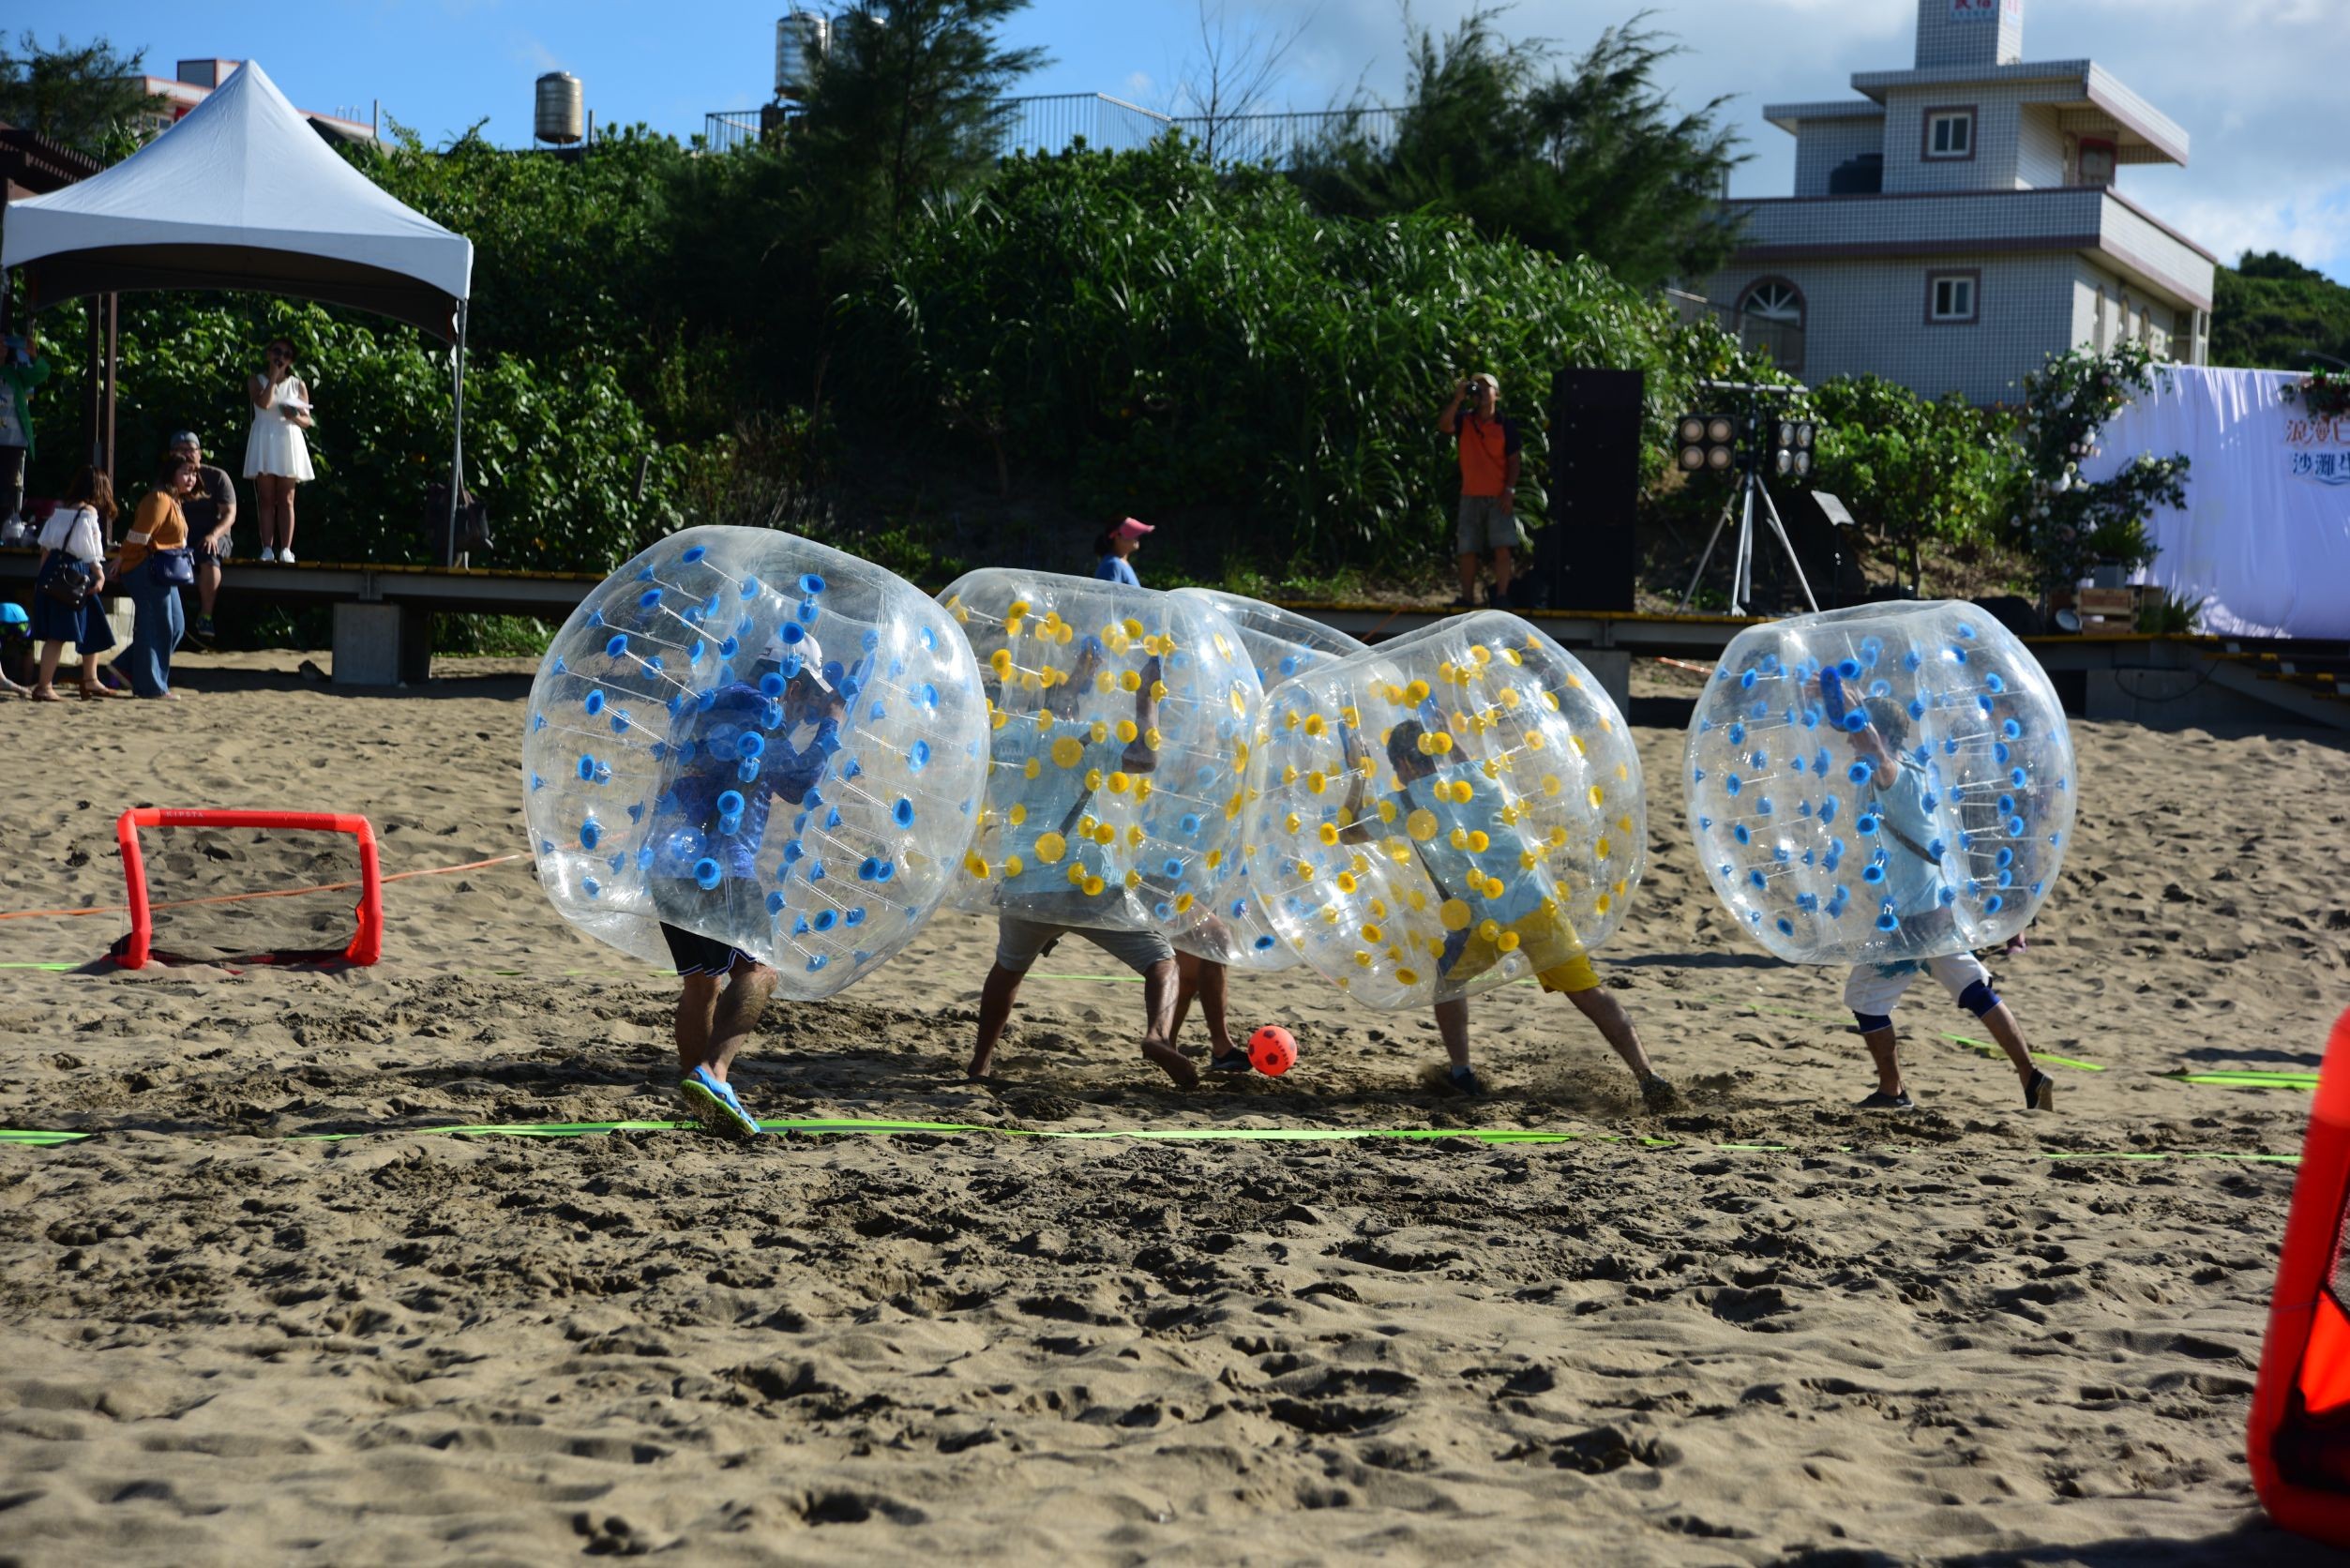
(1958, 222)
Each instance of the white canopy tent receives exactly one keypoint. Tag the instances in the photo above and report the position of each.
(243, 194)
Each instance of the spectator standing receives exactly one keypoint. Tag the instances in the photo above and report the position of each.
(156, 544)
(277, 456)
(1489, 444)
(72, 571)
(1115, 549)
(211, 514)
(22, 369)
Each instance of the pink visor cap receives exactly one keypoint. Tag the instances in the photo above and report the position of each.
(1133, 528)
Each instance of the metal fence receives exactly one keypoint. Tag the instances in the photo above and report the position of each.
(1053, 122)
(1782, 340)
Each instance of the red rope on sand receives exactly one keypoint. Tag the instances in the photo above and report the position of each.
(272, 893)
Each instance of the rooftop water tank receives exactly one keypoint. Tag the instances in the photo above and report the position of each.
(802, 41)
(562, 107)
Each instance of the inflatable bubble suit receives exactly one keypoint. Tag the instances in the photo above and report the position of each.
(1445, 813)
(753, 737)
(1120, 720)
(1880, 783)
(1228, 926)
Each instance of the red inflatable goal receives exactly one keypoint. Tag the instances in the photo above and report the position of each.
(249, 887)
(2299, 1442)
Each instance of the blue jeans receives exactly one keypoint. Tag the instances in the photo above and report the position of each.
(156, 630)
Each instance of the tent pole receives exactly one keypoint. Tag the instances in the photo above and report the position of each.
(95, 400)
(457, 456)
(113, 368)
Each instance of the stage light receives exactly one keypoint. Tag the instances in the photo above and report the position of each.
(1705, 442)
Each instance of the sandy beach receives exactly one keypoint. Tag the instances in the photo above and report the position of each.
(1767, 1328)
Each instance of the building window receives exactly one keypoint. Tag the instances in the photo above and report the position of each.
(1952, 298)
(2096, 161)
(1770, 316)
(1949, 135)
(2104, 320)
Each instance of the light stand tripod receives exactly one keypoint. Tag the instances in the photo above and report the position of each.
(1748, 456)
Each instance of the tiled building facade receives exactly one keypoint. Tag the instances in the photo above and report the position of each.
(1957, 223)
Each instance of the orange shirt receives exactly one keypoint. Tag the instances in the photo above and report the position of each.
(1487, 447)
(159, 525)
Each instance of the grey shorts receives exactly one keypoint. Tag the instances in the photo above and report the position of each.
(1485, 527)
(1021, 943)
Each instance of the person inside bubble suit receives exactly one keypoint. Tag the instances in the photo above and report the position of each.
(1445, 832)
(1044, 845)
(1906, 885)
(768, 734)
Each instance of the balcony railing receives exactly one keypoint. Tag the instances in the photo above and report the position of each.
(1782, 338)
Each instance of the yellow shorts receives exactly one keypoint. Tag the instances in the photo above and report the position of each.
(1549, 943)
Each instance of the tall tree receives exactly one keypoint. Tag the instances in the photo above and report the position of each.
(906, 109)
(1591, 160)
(85, 97)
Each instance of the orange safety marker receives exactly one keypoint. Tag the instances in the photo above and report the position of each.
(2299, 1442)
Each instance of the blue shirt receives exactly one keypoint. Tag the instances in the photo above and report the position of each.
(1448, 866)
(1115, 568)
(748, 744)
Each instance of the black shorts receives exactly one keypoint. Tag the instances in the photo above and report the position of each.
(696, 953)
(206, 555)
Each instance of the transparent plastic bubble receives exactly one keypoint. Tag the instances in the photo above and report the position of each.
(1119, 720)
(1445, 813)
(1879, 784)
(1230, 926)
(750, 736)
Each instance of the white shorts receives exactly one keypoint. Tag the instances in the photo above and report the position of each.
(1876, 989)
(1021, 943)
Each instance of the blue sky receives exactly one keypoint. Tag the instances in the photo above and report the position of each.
(2257, 92)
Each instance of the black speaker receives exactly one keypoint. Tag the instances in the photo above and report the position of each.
(1586, 559)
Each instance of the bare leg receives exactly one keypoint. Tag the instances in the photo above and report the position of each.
(1600, 1005)
(45, 687)
(285, 514)
(1468, 577)
(1884, 1049)
(735, 1017)
(2009, 1035)
(1159, 984)
(207, 587)
(1452, 1025)
(265, 508)
(1503, 566)
(696, 1009)
(1207, 981)
(995, 1010)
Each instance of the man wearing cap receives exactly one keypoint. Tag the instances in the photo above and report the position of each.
(211, 513)
(1115, 550)
(1488, 442)
(767, 734)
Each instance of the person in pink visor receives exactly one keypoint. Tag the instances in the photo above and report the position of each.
(1116, 547)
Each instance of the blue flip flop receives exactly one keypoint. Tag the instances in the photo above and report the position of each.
(711, 1101)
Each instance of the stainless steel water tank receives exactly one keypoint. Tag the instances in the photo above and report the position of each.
(802, 41)
(562, 107)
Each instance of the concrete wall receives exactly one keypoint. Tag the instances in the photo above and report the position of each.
(1822, 146)
(1869, 316)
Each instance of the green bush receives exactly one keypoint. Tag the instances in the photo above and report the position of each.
(1166, 335)
(554, 450)
(1916, 474)
(2066, 523)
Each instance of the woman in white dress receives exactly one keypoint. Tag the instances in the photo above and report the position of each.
(277, 457)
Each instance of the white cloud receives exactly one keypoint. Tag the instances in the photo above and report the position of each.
(527, 51)
(2255, 84)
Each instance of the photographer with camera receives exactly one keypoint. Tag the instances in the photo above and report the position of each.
(1489, 444)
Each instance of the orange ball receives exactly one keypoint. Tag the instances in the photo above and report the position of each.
(1271, 1051)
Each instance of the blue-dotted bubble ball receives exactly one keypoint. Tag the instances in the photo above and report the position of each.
(1880, 784)
(1229, 923)
(1446, 813)
(1115, 714)
(756, 739)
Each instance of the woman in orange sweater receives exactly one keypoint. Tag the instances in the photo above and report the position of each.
(154, 564)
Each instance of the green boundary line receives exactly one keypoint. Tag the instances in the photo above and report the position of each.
(864, 1126)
